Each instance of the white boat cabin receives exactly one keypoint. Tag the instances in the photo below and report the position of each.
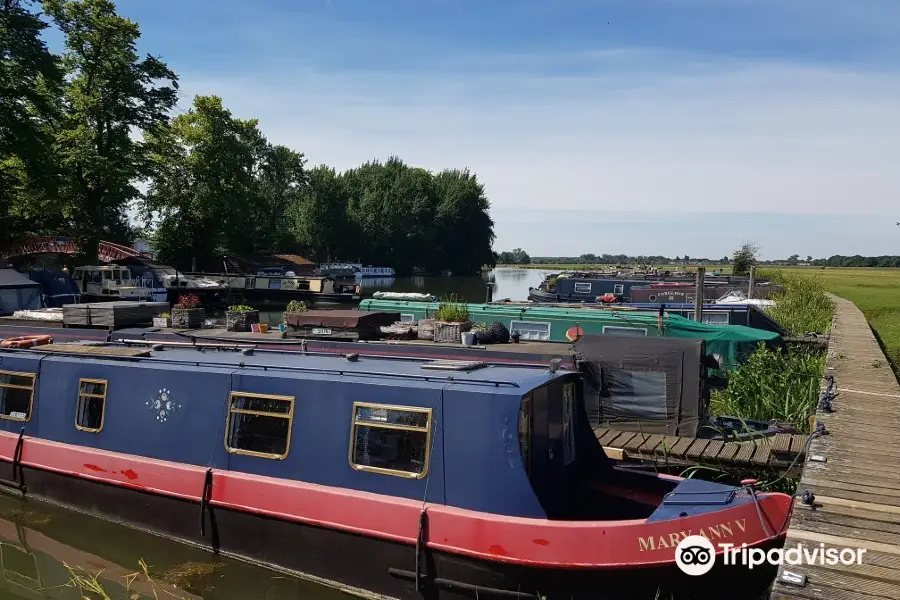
(115, 281)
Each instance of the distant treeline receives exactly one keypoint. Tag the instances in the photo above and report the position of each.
(520, 257)
(857, 261)
(81, 132)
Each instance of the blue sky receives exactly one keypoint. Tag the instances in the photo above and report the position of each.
(637, 126)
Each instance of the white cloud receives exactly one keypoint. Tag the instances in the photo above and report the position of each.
(704, 136)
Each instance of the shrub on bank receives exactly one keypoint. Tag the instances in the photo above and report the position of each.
(778, 385)
(803, 306)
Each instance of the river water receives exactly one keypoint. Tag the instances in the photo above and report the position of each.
(507, 283)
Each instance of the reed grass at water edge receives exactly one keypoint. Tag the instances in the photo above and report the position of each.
(782, 384)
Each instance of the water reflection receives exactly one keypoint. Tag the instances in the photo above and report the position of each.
(374, 284)
(508, 283)
(38, 541)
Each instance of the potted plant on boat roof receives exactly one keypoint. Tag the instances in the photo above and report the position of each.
(188, 314)
(240, 317)
(451, 320)
(162, 320)
(293, 307)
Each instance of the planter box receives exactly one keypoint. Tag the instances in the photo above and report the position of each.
(425, 329)
(450, 332)
(240, 321)
(188, 318)
(350, 325)
(161, 322)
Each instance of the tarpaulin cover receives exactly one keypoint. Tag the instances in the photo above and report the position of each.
(17, 292)
(345, 319)
(651, 385)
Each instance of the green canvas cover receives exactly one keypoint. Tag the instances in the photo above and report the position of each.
(731, 344)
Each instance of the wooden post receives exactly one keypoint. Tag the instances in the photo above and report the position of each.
(699, 295)
(752, 287)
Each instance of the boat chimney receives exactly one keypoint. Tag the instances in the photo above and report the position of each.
(752, 287)
(352, 357)
(698, 294)
(554, 365)
(489, 296)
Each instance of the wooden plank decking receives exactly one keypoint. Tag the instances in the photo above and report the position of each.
(854, 472)
(777, 452)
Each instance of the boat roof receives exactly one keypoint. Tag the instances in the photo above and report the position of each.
(576, 312)
(504, 379)
(10, 278)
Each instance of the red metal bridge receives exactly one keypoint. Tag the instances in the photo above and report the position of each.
(108, 251)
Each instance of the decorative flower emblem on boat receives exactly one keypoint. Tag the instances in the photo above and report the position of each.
(163, 405)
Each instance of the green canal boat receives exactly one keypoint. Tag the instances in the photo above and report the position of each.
(729, 343)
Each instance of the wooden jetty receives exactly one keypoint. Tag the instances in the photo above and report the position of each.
(849, 494)
(781, 452)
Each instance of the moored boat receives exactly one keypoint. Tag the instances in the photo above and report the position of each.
(730, 313)
(402, 477)
(566, 323)
(103, 283)
(591, 288)
(359, 270)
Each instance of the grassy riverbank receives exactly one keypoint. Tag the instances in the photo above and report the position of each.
(876, 291)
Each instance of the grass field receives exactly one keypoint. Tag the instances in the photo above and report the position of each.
(876, 291)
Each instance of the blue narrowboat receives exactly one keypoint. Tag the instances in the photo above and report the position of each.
(592, 289)
(405, 478)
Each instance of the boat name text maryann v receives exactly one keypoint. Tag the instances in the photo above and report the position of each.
(713, 532)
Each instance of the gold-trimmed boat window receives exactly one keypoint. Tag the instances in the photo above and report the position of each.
(16, 395)
(259, 425)
(91, 406)
(391, 440)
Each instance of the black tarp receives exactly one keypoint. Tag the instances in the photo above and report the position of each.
(649, 385)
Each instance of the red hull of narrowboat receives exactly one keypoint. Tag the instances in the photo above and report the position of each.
(264, 519)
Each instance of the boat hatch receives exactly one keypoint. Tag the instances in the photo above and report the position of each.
(454, 365)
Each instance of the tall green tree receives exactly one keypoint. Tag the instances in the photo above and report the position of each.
(29, 80)
(281, 178)
(202, 184)
(744, 258)
(220, 188)
(465, 230)
(110, 94)
(320, 221)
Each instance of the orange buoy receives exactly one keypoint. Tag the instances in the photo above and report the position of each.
(574, 333)
(26, 341)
